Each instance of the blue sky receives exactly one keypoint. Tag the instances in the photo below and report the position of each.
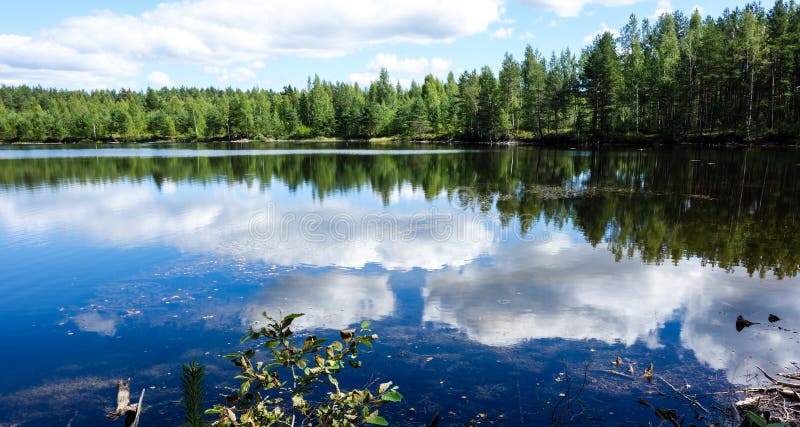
(89, 44)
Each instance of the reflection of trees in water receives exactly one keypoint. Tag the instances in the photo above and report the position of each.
(727, 207)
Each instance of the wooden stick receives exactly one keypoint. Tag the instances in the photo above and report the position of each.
(745, 390)
(615, 372)
(124, 402)
(790, 376)
(135, 422)
(692, 400)
(774, 381)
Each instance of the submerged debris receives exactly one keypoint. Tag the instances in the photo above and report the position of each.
(776, 403)
(648, 373)
(124, 406)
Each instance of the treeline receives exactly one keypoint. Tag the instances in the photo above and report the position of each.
(678, 77)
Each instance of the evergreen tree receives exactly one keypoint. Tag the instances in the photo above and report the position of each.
(601, 80)
(681, 77)
(510, 81)
(320, 109)
(534, 76)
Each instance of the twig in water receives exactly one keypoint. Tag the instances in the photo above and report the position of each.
(691, 400)
(615, 372)
(774, 381)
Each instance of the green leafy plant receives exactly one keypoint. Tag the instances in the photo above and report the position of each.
(760, 421)
(193, 384)
(275, 388)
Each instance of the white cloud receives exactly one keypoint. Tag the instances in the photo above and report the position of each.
(571, 8)
(60, 78)
(232, 75)
(160, 79)
(440, 66)
(402, 70)
(363, 79)
(221, 219)
(537, 292)
(527, 35)
(340, 300)
(503, 33)
(94, 322)
(397, 65)
(411, 66)
(603, 29)
(106, 46)
(662, 7)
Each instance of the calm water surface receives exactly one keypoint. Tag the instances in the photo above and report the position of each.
(496, 278)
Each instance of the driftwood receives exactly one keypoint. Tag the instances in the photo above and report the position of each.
(778, 382)
(124, 406)
(790, 376)
(781, 400)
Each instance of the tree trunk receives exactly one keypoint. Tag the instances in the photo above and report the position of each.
(637, 109)
(750, 97)
(772, 100)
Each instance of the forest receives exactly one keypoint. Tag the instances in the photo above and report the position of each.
(675, 78)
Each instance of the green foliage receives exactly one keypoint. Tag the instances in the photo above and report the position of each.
(193, 385)
(678, 77)
(277, 389)
(534, 78)
(601, 79)
(760, 421)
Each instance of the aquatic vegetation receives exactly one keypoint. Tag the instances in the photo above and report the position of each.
(193, 385)
(279, 390)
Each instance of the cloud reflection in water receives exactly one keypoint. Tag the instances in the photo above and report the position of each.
(526, 291)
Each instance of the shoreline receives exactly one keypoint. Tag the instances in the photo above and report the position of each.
(627, 142)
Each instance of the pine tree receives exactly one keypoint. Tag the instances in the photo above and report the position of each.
(601, 79)
(510, 82)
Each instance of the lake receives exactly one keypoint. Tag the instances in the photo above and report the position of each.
(503, 281)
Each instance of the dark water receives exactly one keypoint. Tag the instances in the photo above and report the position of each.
(497, 279)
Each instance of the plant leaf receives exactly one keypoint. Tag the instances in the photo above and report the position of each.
(756, 419)
(288, 319)
(377, 420)
(392, 396)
